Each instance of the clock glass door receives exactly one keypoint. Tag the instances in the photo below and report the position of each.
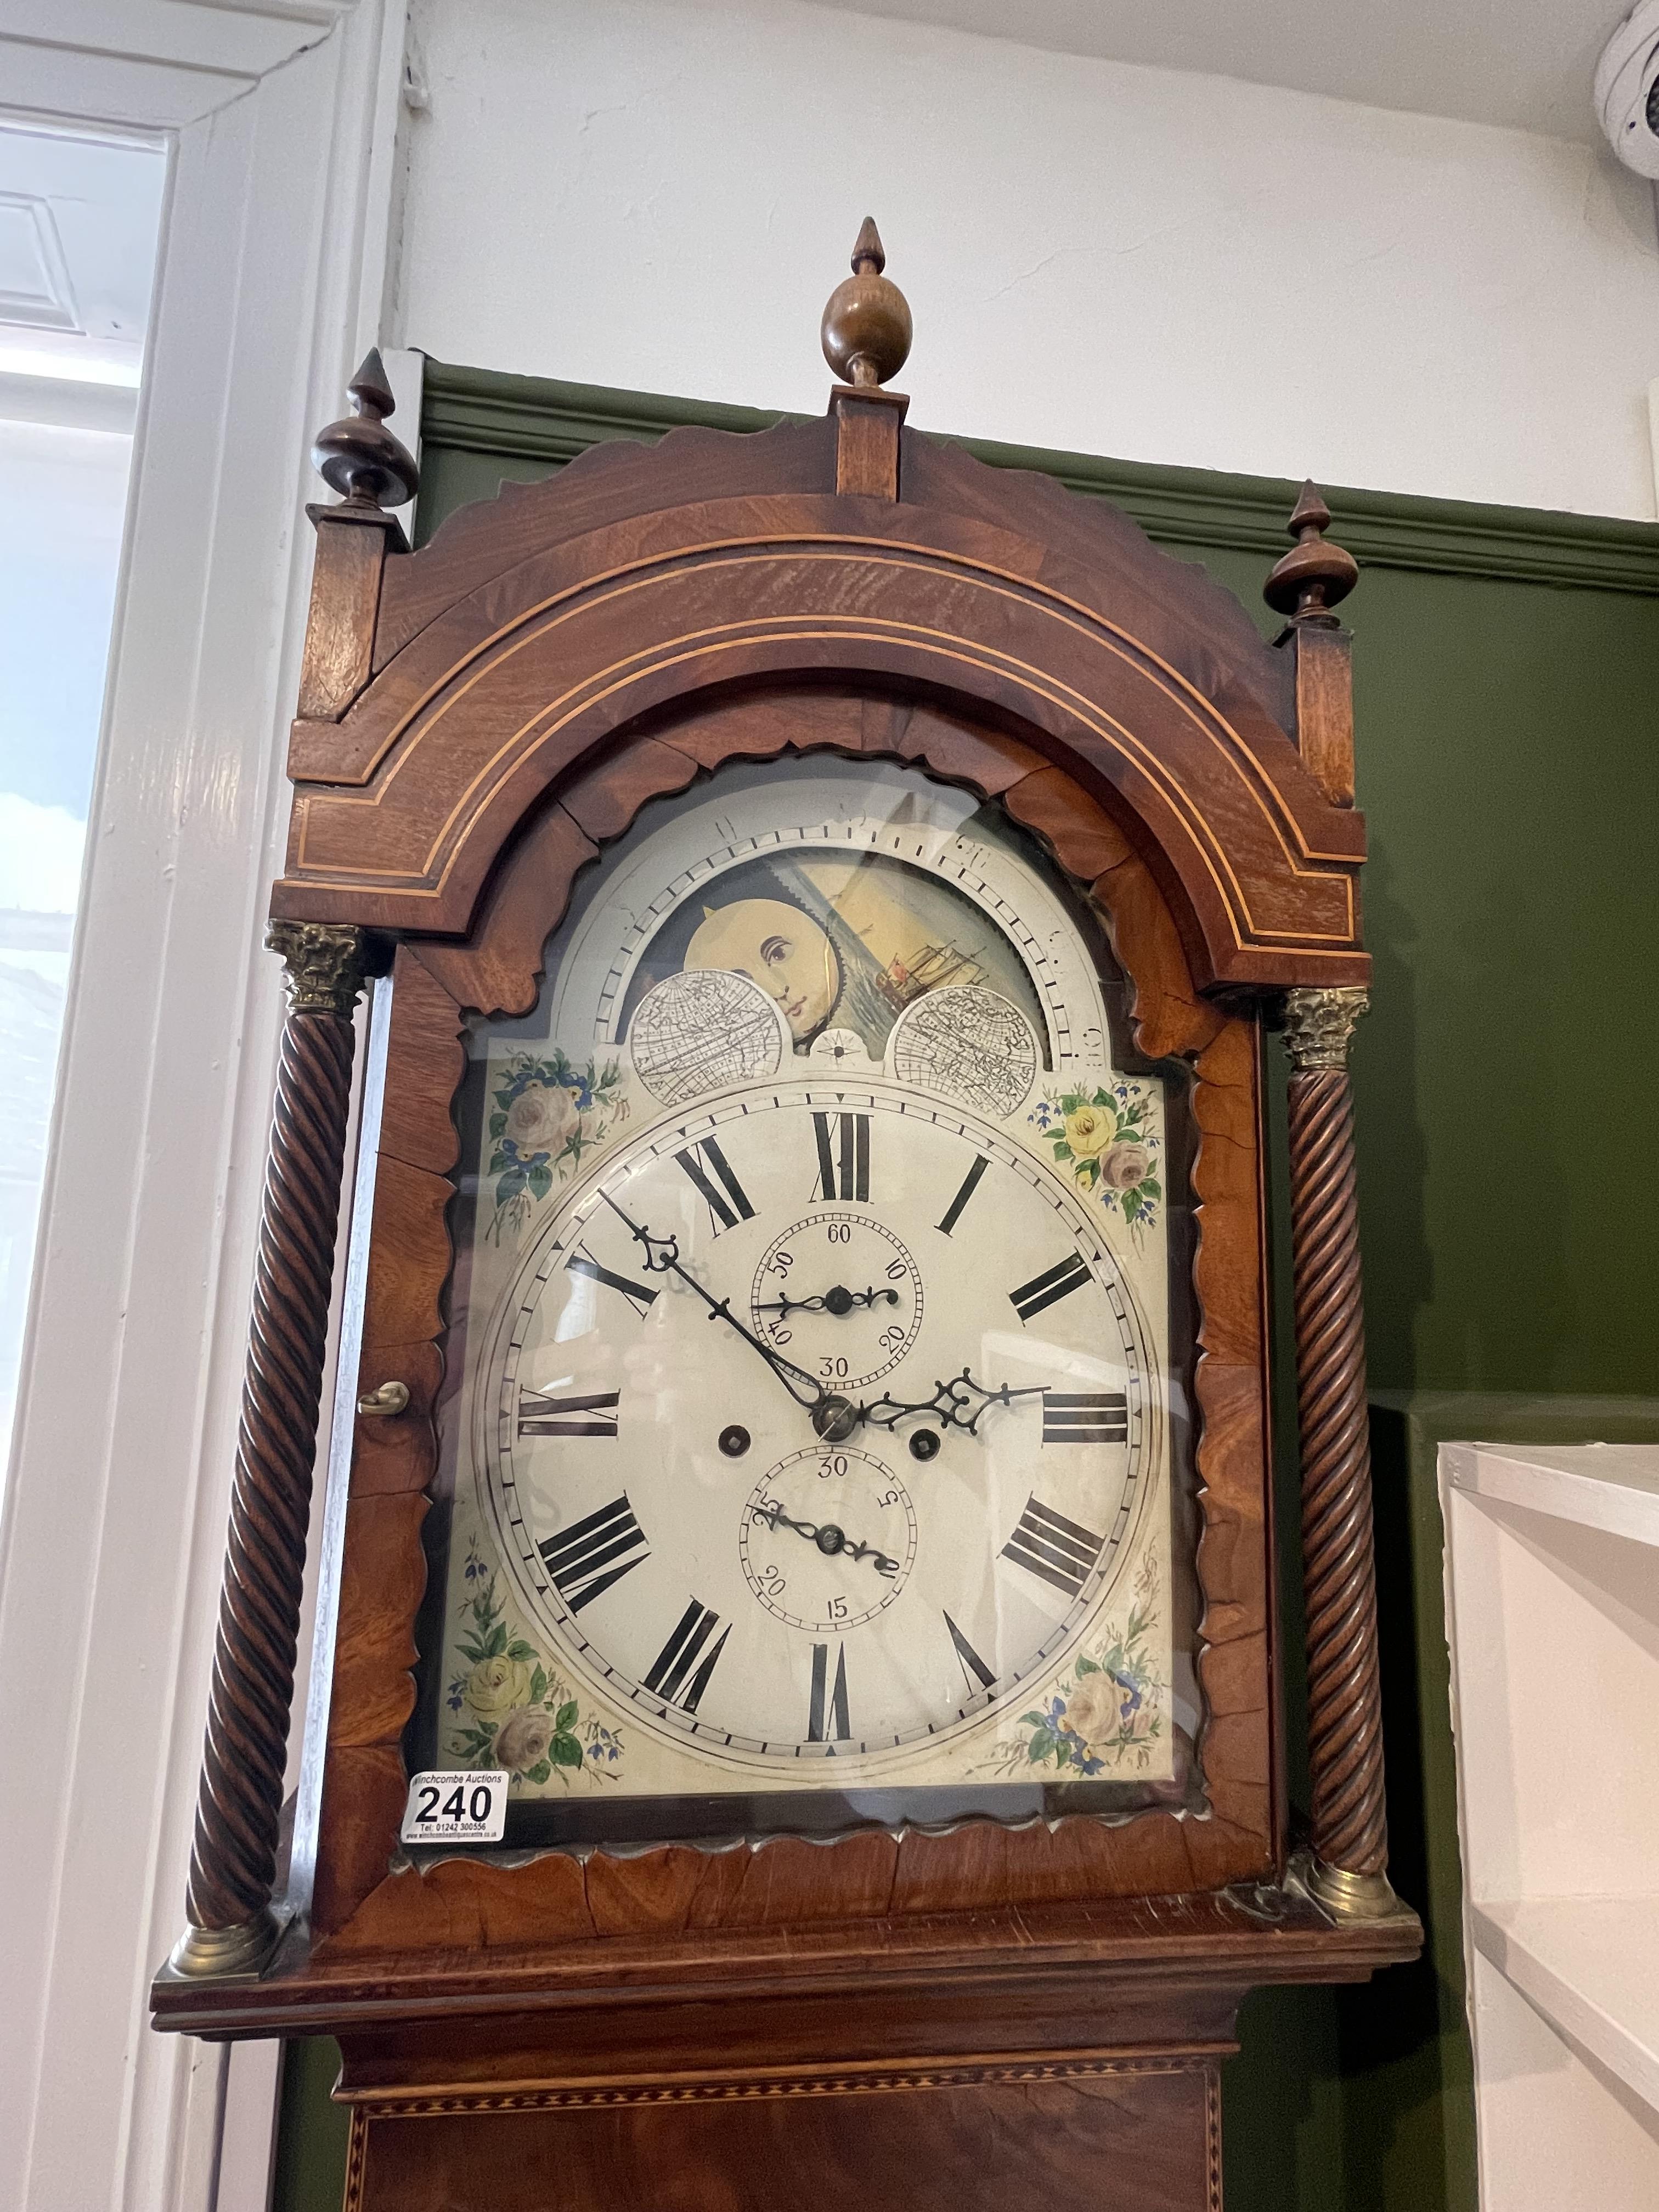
(815, 1445)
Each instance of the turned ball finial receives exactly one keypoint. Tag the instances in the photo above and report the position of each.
(358, 456)
(867, 329)
(1314, 574)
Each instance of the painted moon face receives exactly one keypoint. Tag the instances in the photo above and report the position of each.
(779, 947)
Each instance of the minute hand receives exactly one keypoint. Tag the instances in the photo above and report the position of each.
(832, 1416)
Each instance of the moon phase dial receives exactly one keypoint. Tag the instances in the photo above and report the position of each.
(840, 1295)
(827, 1538)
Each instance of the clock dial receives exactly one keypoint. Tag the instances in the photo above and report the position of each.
(807, 1432)
(944, 1390)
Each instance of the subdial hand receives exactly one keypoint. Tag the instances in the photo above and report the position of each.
(834, 1418)
(960, 1403)
(832, 1541)
(838, 1301)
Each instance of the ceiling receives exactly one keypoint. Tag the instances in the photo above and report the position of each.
(78, 223)
(1524, 63)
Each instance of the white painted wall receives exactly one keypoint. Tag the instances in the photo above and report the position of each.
(1111, 259)
(279, 116)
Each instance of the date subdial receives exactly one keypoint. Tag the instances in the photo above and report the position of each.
(827, 1538)
(840, 1295)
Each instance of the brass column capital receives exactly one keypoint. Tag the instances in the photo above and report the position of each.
(1319, 1023)
(325, 964)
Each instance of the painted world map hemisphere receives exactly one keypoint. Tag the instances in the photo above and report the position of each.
(703, 1030)
(966, 1043)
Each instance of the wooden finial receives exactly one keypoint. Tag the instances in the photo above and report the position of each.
(1314, 574)
(358, 456)
(867, 329)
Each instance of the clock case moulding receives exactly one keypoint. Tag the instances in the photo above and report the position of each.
(478, 721)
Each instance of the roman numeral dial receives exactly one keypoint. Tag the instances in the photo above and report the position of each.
(640, 1296)
(1085, 1417)
(975, 1672)
(752, 1602)
(827, 1719)
(584, 1561)
(969, 1185)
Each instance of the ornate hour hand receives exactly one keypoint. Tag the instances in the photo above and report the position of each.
(959, 1403)
(838, 1301)
(832, 1541)
(834, 1417)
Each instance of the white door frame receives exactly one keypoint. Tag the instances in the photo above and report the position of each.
(281, 118)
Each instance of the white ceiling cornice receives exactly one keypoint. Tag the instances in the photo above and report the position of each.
(1524, 64)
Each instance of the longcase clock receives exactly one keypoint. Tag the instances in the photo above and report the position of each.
(801, 1661)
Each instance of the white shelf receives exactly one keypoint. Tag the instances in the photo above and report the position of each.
(1551, 1614)
(1613, 1488)
(1590, 1965)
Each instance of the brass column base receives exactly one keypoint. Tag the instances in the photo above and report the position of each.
(1345, 1896)
(228, 1954)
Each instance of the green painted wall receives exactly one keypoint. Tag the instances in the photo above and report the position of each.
(1507, 739)
(1506, 672)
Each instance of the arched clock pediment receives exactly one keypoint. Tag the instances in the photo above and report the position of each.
(987, 592)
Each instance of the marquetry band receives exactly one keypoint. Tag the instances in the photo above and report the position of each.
(760, 647)
(585, 2096)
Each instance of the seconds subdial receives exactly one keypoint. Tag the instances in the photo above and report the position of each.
(841, 1296)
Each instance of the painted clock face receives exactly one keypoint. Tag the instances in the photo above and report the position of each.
(808, 1417)
(816, 1421)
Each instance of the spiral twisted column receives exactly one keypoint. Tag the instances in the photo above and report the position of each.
(1345, 1719)
(233, 1927)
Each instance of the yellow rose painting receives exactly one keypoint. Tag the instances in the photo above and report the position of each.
(510, 1711)
(1107, 1137)
(1089, 1130)
(496, 1686)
